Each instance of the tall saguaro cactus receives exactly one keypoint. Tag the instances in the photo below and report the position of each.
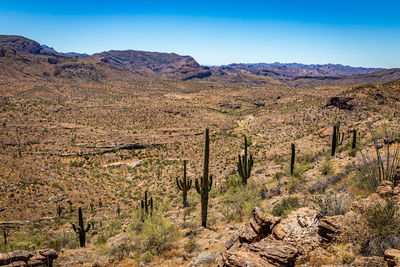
(293, 158)
(80, 229)
(184, 185)
(206, 182)
(245, 164)
(337, 139)
(146, 204)
(354, 141)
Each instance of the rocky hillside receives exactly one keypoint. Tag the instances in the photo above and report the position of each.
(309, 75)
(293, 70)
(111, 65)
(146, 61)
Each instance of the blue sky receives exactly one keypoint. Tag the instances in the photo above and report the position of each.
(357, 33)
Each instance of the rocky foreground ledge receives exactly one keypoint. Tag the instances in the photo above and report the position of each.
(269, 241)
(19, 258)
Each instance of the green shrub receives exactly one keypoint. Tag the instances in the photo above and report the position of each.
(285, 206)
(239, 200)
(154, 236)
(191, 246)
(307, 157)
(76, 163)
(108, 230)
(383, 219)
(326, 167)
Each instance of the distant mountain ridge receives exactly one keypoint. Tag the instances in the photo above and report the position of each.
(286, 71)
(44, 61)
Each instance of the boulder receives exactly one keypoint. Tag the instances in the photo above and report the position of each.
(392, 257)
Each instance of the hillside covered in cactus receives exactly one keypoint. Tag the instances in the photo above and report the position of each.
(194, 173)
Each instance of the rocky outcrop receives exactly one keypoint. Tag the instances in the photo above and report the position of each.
(43, 257)
(330, 226)
(392, 257)
(264, 253)
(340, 103)
(267, 240)
(7, 51)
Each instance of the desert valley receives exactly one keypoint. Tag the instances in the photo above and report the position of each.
(299, 165)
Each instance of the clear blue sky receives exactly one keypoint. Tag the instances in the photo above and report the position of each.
(357, 33)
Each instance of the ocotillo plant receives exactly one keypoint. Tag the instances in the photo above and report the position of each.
(146, 204)
(206, 182)
(354, 141)
(245, 164)
(184, 185)
(80, 229)
(292, 159)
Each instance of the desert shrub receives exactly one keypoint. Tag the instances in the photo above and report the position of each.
(355, 232)
(332, 203)
(285, 206)
(77, 163)
(154, 236)
(382, 222)
(307, 157)
(326, 167)
(205, 258)
(120, 252)
(383, 219)
(191, 246)
(239, 200)
(145, 258)
(110, 229)
(300, 169)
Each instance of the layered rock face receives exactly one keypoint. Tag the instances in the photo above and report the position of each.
(272, 241)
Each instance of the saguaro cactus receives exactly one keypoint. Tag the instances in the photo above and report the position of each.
(354, 141)
(337, 139)
(293, 158)
(59, 210)
(184, 185)
(206, 182)
(245, 164)
(5, 237)
(146, 204)
(80, 229)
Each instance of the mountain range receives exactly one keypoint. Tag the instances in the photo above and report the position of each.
(23, 58)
